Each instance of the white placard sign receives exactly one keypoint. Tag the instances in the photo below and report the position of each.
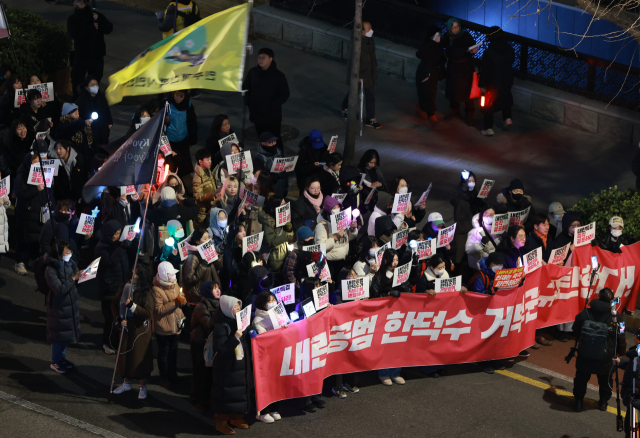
(278, 316)
(240, 161)
(86, 224)
(370, 197)
(487, 184)
(445, 236)
(312, 271)
(426, 249)
(401, 202)
(231, 138)
(584, 235)
(448, 284)
(285, 294)
(559, 254)
(424, 196)
(283, 215)
(35, 177)
(340, 197)
(321, 247)
(332, 144)
(500, 223)
(321, 297)
(243, 318)
(165, 147)
(399, 238)
(90, 271)
(251, 198)
(518, 217)
(128, 233)
(252, 243)
(5, 186)
(208, 251)
(54, 164)
(284, 164)
(533, 260)
(352, 289)
(45, 89)
(380, 253)
(182, 249)
(401, 274)
(340, 220)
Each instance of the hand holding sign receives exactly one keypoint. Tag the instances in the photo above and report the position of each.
(401, 202)
(584, 235)
(252, 243)
(207, 251)
(283, 215)
(485, 188)
(445, 236)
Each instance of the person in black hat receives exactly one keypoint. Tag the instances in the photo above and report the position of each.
(512, 198)
(313, 154)
(263, 160)
(496, 79)
(429, 72)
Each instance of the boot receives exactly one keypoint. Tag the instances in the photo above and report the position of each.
(237, 420)
(603, 405)
(221, 424)
(578, 405)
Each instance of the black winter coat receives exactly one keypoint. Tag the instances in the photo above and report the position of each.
(87, 40)
(67, 186)
(381, 286)
(63, 310)
(506, 204)
(609, 243)
(31, 118)
(160, 215)
(447, 255)
(534, 242)
(368, 63)
(81, 135)
(599, 311)
(511, 254)
(29, 202)
(113, 269)
(88, 104)
(231, 378)
(65, 230)
(496, 73)
(120, 213)
(328, 184)
(432, 61)
(16, 148)
(267, 91)
(306, 158)
(460, 66)
(302, 211)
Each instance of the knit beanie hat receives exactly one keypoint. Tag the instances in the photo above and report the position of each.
(515, 185)
(329, 203)
(304, 233)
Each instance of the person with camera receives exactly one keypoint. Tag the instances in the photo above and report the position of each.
(599, 341)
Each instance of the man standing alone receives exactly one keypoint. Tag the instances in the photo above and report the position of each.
(368, 75)
(87, 29)
(267, 90)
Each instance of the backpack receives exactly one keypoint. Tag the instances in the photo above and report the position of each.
(593, 339)
(485, 280)
(39, 268)
(191, 18)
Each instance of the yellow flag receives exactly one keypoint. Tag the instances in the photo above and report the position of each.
(209, 54)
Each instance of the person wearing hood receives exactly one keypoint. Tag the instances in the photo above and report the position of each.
(87, 28)
(169, 209)
(513, 247)
(91, 100)
(429, 72)
(267, 90)
(72, 174)
(62, 226)
(330, 175)
(465, 204)
(202, 323)
(314, 152)
(480, 241)
(30, 200)
(512, 199)
(171, 180)
(370, 165)
(482, 280)
(496, 79)
(598, 310)
(113, 272)
(556, 211)
(382, 208)
(16, 144)
(63, 309)
(430, 231)
(276, 239)
(295, 265)
(460, 68)
(168, 321)
(195, 269)
(305, 210)
(218, 229)
(204, 186)
(368, 76)
(220, 128)
(182, 131)
(261, 280)
(133, 308)
(231, 371)
(614, 239)
(337, 244)
(169, 252)
(76, 130)
(385, 229)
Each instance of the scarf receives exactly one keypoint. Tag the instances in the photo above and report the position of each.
(332, 173)
(543, 238)
(316, 202)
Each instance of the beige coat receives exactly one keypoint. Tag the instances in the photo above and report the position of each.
(165, 313)
(204, 187)
(336, 249)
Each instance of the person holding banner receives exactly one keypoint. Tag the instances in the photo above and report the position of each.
(311, 157)
(305, 210)
(540, 237)
(63, 309)
(482, 280)
(231, 369)
(276, 238)
(263, 161)
(614, 240)
(69, 181)
(512, 199)
(430, 230)
(436, 269)
(513, 247)
(54, 105)
(366, 264)
(337, 243)
(330, 175)
(480, 241)
(202, 323)
(32, 111)
(570, 221)
(182, 130)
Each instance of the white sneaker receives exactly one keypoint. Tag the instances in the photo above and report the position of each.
(275, 416)
(126, 386)
(398, 380)
(386, 381)
(107, 349)
(20, 269)
(266, 418)
(488, 132)
(143, 392)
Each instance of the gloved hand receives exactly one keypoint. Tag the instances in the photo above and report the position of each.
(485, 240)
(394, 293)
(288, 227)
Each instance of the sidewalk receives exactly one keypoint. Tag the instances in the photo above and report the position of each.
(556, 163)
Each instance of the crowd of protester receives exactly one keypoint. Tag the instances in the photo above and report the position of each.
(170, 297)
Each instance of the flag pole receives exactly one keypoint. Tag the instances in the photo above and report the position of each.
(4, 16)
(135, 263)
(241, 69)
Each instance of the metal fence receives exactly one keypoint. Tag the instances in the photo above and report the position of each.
(535, 61)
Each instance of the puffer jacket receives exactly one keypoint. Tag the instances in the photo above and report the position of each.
(4, 225)
(428, 280)
(203, 187)
(203, 319)
(474, 248)
(217, 234)
(262, 321)
(113, 269)
(166, 314)
(276, 239)
(63, 311)
(336, 250)
(196, 271)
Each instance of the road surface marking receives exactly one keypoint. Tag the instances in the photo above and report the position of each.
(553, 374)
(58, 416)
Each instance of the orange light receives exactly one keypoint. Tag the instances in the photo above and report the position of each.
(482, 101)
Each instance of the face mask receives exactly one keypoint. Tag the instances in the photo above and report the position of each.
(487, 220)
(144, 120)
(222, 224)
(439, 272)
(369, 34)
(180, 233)
(372, 252)
(312, 195)
(471, 185)
(67, 257)
(516, 197)
(616, 233)
(94, 89)
(336, 211)
(403, 190)
(253, 180)
(61, 217)
(496, 268)
(371, 261)
(571, 231)
(271, 305)
(558, 217)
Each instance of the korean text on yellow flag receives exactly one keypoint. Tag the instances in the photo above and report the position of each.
(209, 54)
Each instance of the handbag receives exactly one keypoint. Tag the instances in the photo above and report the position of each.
(475, 89)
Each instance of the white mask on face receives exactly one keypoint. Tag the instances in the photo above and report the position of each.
(496, 268)
(372, 252)
(369, 34)
(438, 272)
(403, 190)
(180, 233)
(487, 220)
(471, 185)
(94, 89)
(67, 257)
(271, 305)
(222, 224)
(144, 120)
(389, 274)
(558, 217)
(616, 233)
